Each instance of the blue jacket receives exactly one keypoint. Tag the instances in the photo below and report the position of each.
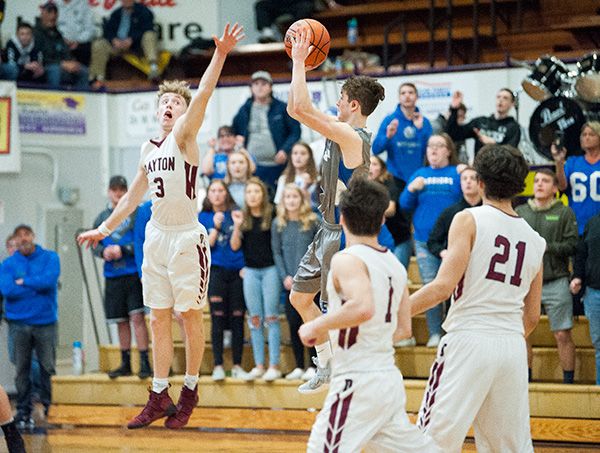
(284, 129)
(406, 149)
(142, 20)
(35, 301)
(143, 213)
(123, 237)
(442, 189)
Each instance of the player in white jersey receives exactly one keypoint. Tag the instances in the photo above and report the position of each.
(176, 263)
(493, 270)
(368, 311)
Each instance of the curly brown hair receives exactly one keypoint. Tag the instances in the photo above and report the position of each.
(366, 90)
(180, 87)
(503, 169)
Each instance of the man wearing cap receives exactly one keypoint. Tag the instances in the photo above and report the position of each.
(29, 283)
(269, 132)
(123, 300)
(60, 66)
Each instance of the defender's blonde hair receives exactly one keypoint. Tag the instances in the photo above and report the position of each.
(180, 87)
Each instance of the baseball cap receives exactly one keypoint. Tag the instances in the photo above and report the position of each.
(117, 182)
(22, 227)
(262, 75)
(49, 6)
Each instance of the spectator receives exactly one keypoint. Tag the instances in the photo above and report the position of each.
(214, 163)
(59, 64)
(302, 171)
(269, 132)
(123, 300)
(292, 232)
(24, 58)
(129, 28)
(586, 274)
(403, 135)
(262, 287)
(430, 190)
(497, 128)
(556, 223)
(438, 237)
(441, 123)
(29, 282)
(76, 24)
(578, 176)
(225, 291)
(142, 216)
(395, 222)
(267, 12)
(14, 441)
(239, 171)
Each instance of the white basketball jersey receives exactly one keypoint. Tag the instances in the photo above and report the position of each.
(507, 255)
(172, 182)
(370, 345)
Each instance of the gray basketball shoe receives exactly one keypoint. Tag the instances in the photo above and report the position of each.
(320, 381)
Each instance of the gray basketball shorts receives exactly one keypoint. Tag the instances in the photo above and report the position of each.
(311, 275)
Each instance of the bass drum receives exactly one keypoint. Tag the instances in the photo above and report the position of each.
(552, 116)
(587, 85)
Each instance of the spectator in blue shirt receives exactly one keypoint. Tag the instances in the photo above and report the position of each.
(430, 190)
(214, 163)
(403, 135)
(29, 283)
(142, 216)
(123, 299)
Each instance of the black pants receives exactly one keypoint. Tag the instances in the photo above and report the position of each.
(295, 321)
(268, 10)
(226, 298)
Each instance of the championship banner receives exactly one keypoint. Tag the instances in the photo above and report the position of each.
(10, 149)
(45, 112)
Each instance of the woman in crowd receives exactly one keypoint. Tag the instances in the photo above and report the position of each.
(291, 233)
(302, 171)
(214, 163)
(262, 287)
(239, 171)
(225, 293)
(430, 190)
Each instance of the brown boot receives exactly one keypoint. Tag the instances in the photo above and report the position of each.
(159, 405)
(186, 404)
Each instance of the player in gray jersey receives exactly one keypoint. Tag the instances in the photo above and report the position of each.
(346, 156)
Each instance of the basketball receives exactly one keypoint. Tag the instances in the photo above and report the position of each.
(319, 40)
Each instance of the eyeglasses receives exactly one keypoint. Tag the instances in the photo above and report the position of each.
(436, 145)
(225, 135)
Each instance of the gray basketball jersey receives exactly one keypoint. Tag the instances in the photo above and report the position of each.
(335, 176)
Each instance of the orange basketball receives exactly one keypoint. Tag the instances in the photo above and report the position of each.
(319, 40)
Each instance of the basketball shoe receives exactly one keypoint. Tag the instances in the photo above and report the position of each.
(159, 405)
(188, 399)
(320, 381)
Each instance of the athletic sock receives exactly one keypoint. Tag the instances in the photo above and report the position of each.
(159, 384)
(190, 381)
(324, 353)
(126, 358)
(9, 426)
(568, 377)
(144, 356)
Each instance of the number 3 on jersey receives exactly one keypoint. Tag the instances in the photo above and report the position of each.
(502, 257)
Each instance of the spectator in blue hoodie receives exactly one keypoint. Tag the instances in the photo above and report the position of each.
(29, 283)
(403, 135)
(430, 190)
(142, 216)
(123, 300)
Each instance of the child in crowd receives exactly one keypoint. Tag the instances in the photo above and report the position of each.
(302, 171)
(291, 233)
(262, 287)
(225, 292)
(239, 171)
(214, 163)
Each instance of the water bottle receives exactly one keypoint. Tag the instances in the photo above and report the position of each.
(77, 358)
(352, 31)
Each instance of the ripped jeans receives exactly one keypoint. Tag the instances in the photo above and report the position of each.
(262, 289)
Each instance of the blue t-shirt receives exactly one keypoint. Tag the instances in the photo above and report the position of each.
(221, 253)
(583, 189)
(442, 189)
(219, 166)
(142, 216)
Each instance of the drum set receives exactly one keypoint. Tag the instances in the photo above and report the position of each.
(567, 100)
